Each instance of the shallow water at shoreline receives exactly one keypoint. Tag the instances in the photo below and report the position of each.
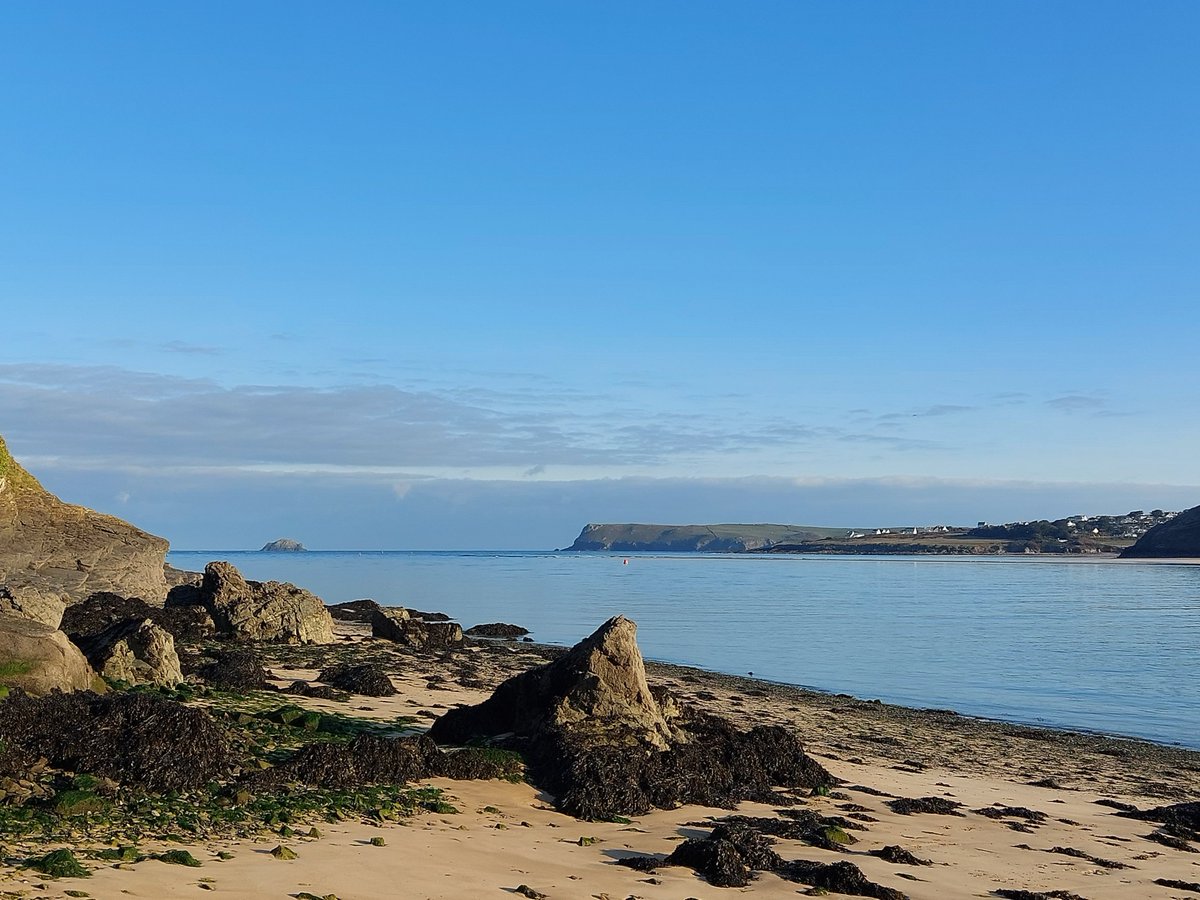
(1074, 643)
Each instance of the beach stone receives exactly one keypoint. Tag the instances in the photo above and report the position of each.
(39, 659)
(400, 625)
(135, 651)
(263, 611)
(56, 548)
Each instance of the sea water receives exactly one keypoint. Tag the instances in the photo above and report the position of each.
(1085, 644)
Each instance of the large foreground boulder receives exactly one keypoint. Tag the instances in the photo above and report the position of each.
(39, 659)
(600, 682)
(1174, 538)
(55, 547)
(263, 611)
(599, 740)
(412, 629)
(135, 651)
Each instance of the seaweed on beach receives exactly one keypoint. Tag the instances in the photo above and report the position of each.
(736, 850)
(598, 778)
(368, 679)
(372, 759)
(234, 669)
(134, 738)
(911, 806)
(103, 609)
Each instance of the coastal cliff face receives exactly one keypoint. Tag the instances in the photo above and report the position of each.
(52, 552)
(1177, 537)
(622, 538)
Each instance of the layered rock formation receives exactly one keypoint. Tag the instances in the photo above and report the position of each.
(1175, 538)
(263, 611)
(604, 744)
(53, 552)
(39, 659)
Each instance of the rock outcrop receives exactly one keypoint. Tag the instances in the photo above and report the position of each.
(1175, 538)
(603, 744)
(135, 651)
(284, 545)
(601, 682)
(55, 548)
(263, 611)
(408, 627)
(39, 659)
(497, 630)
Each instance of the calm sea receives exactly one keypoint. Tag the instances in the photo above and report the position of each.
(1094, 645)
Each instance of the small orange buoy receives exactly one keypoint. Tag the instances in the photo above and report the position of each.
(624, 562)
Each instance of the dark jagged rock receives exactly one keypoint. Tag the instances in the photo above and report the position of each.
(263, 611)
(137, 739)
(411, 629)
(496, 630)
(104, 609)
(368, 679)
(51, 548)
(236, 669)
(1177, 537)
(597, 738)
(362, 611)
(284, 545)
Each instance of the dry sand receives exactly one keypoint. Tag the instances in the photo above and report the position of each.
(507, 835)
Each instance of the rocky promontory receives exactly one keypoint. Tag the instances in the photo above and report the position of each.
(53, 554)
(1177, 537)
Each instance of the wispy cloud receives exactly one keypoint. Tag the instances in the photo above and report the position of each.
(1072, 403)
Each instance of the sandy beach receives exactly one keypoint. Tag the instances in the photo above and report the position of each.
(1053, 836)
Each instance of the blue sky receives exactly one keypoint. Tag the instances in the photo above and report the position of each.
(447, 275)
